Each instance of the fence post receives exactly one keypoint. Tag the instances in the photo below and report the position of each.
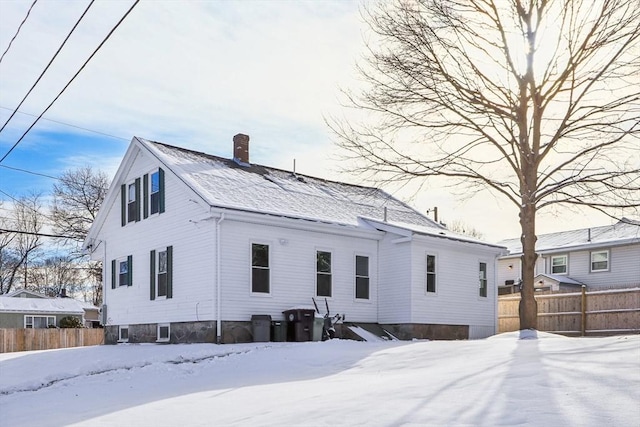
(583, 309)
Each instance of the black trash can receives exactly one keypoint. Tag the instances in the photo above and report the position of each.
(261, 327)
(278, 331)
(299, 324)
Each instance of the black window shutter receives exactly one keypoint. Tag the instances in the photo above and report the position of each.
(145, 196)
(123, 207)
(130, 275)
(161, 195)
(138, 204)
(113, 274)
(152, 275)
(170, 272)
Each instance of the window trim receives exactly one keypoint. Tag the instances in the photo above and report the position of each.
(32, 316)
(154, 274)
(120, 329)
(566, 264)
(600, 270)
(330, 273)
(268, 268)
(483, 280)
(434, 273)
(158, 337)
(356, 276)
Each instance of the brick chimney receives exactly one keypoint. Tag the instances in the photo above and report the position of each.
(241, 148)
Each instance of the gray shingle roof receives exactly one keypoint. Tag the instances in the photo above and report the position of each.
(625, 231)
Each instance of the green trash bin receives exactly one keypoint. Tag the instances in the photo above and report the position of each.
(279, 331)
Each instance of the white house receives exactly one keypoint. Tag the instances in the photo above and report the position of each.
(598, 257)
(193, 245)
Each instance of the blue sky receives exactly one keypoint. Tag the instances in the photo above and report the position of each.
(193, 74)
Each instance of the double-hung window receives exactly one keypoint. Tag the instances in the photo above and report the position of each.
(599, 261)
(161, 273)
(122, 272)
(260, 268)
(559, 264)
(154, 193)
(483, 279)
(431, 273)
(323, 274)
(133, 191)
(362, 277)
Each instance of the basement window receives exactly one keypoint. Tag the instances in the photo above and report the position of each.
(164, 332)
(123, 333)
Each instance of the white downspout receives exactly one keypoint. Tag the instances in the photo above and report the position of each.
(218, 279)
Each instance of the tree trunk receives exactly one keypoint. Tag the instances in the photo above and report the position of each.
(528, 308)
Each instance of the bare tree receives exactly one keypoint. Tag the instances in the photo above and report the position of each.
(19, 241)
(537, 101)
(55, 276)
(76, 202)
(461, 227)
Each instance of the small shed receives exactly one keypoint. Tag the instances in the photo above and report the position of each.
(555, 282)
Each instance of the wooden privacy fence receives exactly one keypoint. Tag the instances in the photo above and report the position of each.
(607, 312)
(46, 339)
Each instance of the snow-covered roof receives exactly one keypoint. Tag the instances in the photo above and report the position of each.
(19, 292)
(625, 231)
(560, 279)
(40, 305)
(226, 184)
(426, 231)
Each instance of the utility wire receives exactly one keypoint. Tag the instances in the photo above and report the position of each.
(70, 125)
(70, 81)
(30, 172)
(18, 31)
(48, 65)
(4, 230)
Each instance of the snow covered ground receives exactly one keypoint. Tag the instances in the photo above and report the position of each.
(503, 380)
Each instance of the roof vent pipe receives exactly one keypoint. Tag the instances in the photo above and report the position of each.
(588, 234)
(241, 148)
(385, 214)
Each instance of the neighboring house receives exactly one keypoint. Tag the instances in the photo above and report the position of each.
(27, 309)
(193, 245)
(598, 257)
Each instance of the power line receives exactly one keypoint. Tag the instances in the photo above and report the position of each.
(70, 81)
(18, 31)
(30, 172)
(57, 236)
(48, 65)
(69, 124)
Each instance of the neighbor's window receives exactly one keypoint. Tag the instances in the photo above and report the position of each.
(259, 268)
(559, 264)
(123, 275)
(164, 332)
(431, 273)
(362, 277)
(600, 261)
(123, 333)
(39, 322)
(154, 193)
(323, 274)
(132, 205)
(483, 279)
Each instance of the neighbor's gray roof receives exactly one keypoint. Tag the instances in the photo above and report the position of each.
(224, 183)
(625, 231)
(560, 279)
(40, 305)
